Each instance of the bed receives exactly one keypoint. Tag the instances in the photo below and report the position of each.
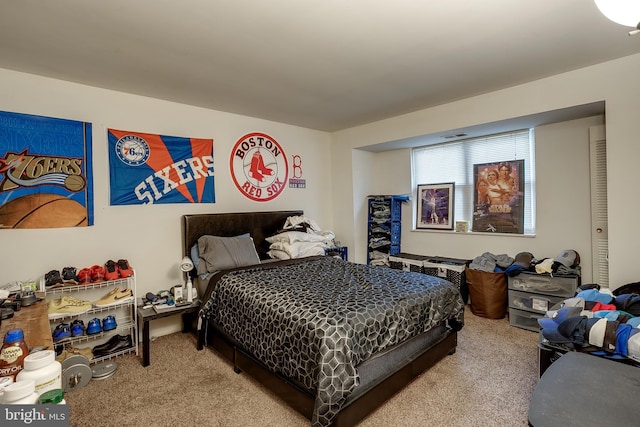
(333, 339)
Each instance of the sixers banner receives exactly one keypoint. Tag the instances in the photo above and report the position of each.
(147, 168)
(45, 172)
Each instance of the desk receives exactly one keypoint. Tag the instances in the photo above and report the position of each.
(583, 390)
(146, 315)
(34, 322)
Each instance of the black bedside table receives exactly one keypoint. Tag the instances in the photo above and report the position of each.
(146, 315)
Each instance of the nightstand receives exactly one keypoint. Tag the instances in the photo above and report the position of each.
(146, 315)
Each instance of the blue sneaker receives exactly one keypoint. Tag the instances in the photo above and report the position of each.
(61, 332)
(77, 328)
(109, 323)
(94, 326)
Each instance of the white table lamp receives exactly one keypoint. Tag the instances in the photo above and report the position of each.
(186, 266)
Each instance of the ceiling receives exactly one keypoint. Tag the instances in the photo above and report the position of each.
(320, 64)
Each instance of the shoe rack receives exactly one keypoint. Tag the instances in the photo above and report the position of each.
(125, 314)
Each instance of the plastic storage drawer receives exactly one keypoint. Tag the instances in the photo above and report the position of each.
(560, 286)
(524, 319)
(532, 302)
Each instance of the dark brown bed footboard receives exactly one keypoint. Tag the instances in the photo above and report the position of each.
(354, 410)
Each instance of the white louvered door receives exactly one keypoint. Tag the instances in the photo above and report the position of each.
(599, 212)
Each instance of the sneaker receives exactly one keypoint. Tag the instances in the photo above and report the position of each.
(94, 326)
(84, 276)
(116, 296)
(97, 273)
(67, 306)
(69, 276)
(124, 269)
(109, 323)
(52, 279)
(111, 270)
(77, 328)
(68, 350)
(61, 332)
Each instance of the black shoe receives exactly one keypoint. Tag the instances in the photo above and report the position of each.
(52, 279)
(112, 341)
(116, 343)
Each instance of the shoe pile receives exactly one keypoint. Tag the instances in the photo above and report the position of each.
(111, 270)
(67, 306)
(116, 343)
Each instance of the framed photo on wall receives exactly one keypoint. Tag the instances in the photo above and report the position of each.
(435, 206)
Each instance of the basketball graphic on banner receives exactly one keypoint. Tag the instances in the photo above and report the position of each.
(259, 167)
(42, 211)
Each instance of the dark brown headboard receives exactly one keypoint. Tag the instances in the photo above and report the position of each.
(258, 224)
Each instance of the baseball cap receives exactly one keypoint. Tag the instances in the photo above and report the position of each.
(595, 295)
(622, 338)
(567, 327)
(569, 258)
(523, 259)
(633, 345)
(569, 302)
(629, 303)
(634, 322)
(595, 331)
(610, 339)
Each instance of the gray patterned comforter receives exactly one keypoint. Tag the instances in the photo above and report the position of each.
(315, 319)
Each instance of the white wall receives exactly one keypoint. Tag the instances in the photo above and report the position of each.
(148, 236)
(614, 82)
(563, 201)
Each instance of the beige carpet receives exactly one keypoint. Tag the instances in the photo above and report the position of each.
(488, 382)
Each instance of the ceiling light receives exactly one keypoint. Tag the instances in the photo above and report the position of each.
(623, 12)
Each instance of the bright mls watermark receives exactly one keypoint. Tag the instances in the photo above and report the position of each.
(34, 415)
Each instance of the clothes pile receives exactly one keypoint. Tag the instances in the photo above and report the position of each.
(567, 262)
(300, 237)
(595, 321)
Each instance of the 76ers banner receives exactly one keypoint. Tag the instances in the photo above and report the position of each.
(147, 168)
(45, 172)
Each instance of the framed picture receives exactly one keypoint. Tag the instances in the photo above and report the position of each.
(435, 206)
(499, 197)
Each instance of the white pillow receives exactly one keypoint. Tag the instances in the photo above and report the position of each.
(300, 236)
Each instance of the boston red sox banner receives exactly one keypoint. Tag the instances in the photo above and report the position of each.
(259, 167)
(45, 172)
(147, 168)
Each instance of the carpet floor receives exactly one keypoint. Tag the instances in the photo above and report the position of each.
(487, 382)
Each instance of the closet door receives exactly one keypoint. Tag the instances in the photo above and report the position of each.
(599, 211)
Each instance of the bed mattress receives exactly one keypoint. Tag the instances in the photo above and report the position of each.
(315, 320)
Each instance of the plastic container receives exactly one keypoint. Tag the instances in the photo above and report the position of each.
(12, 354)
(4, 382)
(20, 393)
(43, 369)
(55, 396)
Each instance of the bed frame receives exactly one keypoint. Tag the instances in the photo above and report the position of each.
(264, 224)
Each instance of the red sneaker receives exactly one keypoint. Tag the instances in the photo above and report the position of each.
(97, 273)
(111, 271)
(124, 269)
(84, 276)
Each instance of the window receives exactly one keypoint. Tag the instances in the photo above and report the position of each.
(454, 162)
